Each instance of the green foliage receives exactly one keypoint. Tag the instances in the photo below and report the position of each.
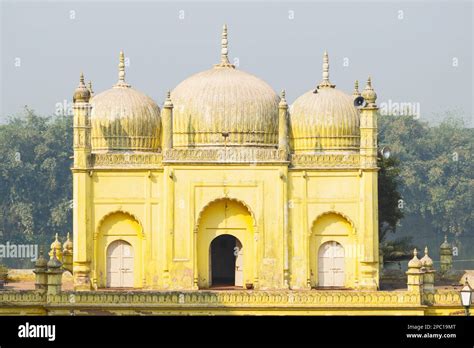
(389, 197)
(436, 171)
(35, 178)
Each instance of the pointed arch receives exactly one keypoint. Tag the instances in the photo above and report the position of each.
(208, 204)
(335, 212)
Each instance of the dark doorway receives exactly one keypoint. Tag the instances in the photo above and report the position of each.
(223, 256)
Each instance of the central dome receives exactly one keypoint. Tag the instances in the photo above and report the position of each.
(224, 106)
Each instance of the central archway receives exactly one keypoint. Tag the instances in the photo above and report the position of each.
(226, 261)
(224, 234)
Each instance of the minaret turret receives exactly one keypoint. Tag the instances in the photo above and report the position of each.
(167, 123)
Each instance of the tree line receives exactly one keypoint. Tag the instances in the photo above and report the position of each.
(428, 180)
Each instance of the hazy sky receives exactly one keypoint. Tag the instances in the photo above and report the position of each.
(418, 52)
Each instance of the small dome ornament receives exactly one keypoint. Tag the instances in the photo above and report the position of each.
(82, 93)
(54, 262)
(369, 94)
(426, 261)
(445, 245)
(56, 245)
(414, 262)
(68, 246)
(41, 261)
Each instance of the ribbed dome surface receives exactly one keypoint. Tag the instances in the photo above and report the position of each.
(224, 100)
(326, 120)
(125, 119)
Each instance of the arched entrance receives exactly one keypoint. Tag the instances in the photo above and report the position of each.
(226, 248)
(120, 263)
(331, 265)
(226, 261)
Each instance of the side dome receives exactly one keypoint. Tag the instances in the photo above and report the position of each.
(124, 119)
(223, 106)
(324, 119)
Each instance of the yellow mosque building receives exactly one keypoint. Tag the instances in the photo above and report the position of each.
(225, 186)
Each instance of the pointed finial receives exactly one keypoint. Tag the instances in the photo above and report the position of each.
(224, 50)
(325, 82)
(426, 251)
(415, 252)
(81, 94)
(121, 81)
(356, 92)
(283, 99)
(369, 94)
(168, 102)
(89, 87)
(445, 238)
(122, 67)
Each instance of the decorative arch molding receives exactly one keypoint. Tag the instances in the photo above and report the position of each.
(118, 211)
(208, 204)
(329, 212)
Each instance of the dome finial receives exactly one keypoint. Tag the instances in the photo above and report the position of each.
(122, 67)
(369, 94)
(82, 93)
(325, 82)
(224, 50)
(121, 82)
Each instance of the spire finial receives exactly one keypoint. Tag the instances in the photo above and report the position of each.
(122, 67)
(356, 92)
(445, 238)
(415, 252)
(121, 81)
(325, 82)
(283, 99)
(90, 88)
(369, 94)
(426, 251)
(224, 50)
(168, 103)
(81, 78)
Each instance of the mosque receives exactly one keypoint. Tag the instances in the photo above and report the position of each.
(226, 186)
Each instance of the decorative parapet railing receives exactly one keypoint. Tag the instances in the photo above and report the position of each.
(349, 160)
(123, 159)
(314, 301)
(442, 298)
(29, 297)
(239, 299)
(247, 155)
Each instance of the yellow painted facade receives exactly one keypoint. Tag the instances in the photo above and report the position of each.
(296, 186)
